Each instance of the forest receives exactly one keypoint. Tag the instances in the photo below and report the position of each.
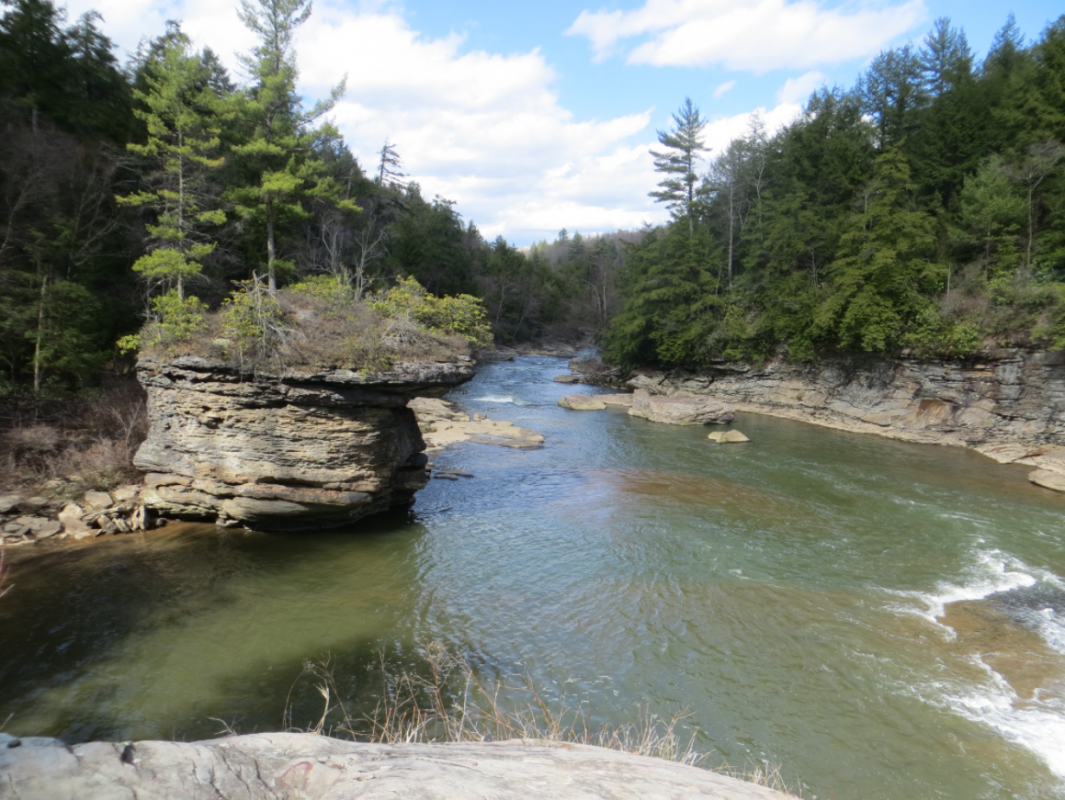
(148, 193)
(920, 211)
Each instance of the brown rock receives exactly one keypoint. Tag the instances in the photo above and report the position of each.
(123, 494)
(72, 518)
(98, 500)
(680, 410)
(567, 379)
(1048, 479)
(582, 402)
(624, 400)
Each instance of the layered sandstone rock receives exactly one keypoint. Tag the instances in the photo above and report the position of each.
(287, 766)
(680, 409)
(295, 450)
(1008, 404)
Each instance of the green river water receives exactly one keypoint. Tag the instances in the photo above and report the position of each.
(882, 619)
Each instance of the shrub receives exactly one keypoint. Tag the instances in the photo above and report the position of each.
(174, 321)
(463, 315)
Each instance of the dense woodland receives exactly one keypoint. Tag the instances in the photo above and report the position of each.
(921, 210)
(150, 191)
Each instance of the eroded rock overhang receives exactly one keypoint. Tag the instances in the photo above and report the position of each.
(296, 449)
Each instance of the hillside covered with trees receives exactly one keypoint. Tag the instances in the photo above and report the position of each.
(922, 210)
(149, 192)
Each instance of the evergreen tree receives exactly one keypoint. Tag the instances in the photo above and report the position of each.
(684, 144)
(182, 115)
(280, 150)
(884, 268)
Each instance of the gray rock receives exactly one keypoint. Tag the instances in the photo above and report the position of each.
(296, 450)
(567, 379)
(9, 503)
(680, 410)
(285, 766)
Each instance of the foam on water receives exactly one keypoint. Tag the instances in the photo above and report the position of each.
(495, 398)
(992, 573)
(1037, 724)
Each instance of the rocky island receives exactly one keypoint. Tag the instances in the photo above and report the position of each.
(294, 450)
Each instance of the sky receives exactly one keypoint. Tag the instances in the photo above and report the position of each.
(534, 117)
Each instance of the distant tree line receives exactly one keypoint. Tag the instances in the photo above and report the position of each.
(922, 210)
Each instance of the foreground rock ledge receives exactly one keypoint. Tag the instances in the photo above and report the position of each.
(295, 450)
(285, 766)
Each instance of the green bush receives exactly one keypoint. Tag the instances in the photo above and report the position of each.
(174, 321)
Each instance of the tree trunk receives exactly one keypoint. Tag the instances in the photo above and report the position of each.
(270, 253)
(38, 367)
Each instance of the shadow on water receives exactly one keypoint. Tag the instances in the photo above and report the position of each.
(148, 635)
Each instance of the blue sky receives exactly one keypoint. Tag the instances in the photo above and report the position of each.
(538, 116)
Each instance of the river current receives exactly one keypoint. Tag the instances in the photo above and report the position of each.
(884, 620)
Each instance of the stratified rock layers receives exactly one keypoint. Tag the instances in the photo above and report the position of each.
(1008, 404)
(296, 450)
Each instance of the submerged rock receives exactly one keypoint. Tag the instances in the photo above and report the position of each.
(295, 450)
(680, 410)
(274, 766)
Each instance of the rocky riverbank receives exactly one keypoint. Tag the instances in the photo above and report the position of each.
(285, 766)
(1008, 404)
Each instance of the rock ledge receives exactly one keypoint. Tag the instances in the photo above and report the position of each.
(286, 766)
(293, 450)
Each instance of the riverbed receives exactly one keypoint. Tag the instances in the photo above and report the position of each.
(882, 619)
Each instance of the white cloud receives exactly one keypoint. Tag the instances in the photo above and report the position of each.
(483, 129)
(798, 90)
(756, 37)
(724, 89)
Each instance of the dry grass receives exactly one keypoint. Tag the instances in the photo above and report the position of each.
(451, 704)
(317, 333)
(80, 442)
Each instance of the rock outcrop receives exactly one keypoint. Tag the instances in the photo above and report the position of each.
(680, 409)
(287, 766)
(442, 424)
(295, 450)
(1008, 404)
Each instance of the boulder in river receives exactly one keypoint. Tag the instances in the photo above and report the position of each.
(679, 409)
(1048, 479)
(582, 402)
(567, 379)
(727, 437)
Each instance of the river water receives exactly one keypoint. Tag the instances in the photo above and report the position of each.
(882, 619)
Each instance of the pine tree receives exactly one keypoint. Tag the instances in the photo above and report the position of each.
(182, 115)
(280, 152)
(678, 162)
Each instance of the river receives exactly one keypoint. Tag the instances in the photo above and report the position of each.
(882, 619)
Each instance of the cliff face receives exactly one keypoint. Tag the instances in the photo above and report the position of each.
(295, 450)
(1008, 404)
